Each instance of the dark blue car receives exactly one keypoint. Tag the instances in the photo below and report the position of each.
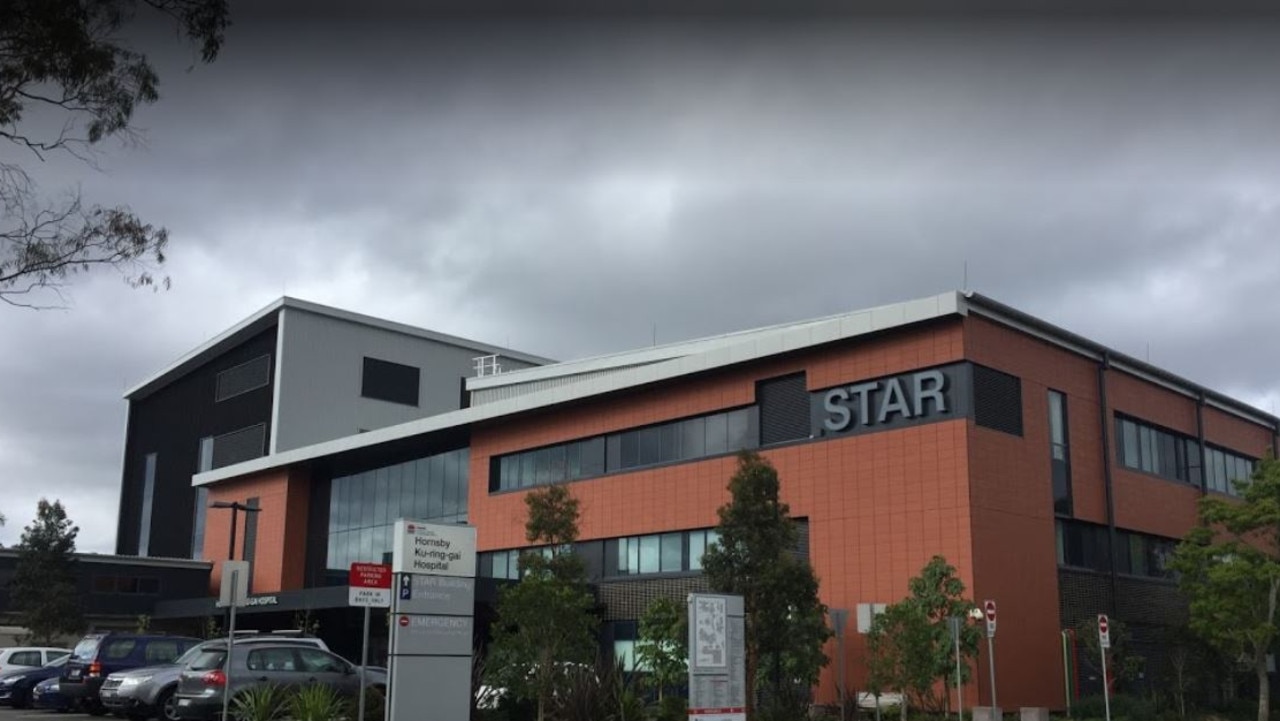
(46, 696)
(16, 686)
(100, 654)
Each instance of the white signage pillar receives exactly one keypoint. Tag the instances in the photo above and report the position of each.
(717, 658)
(432, 621)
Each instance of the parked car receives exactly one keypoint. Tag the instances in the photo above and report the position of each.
(100, 654)
(16, 685)
(29, 656)
(46, 696)
(141, 693)
(204, 681)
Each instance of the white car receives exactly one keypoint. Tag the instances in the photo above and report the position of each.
(19, 657)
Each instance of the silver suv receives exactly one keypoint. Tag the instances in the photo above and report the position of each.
(284, 665)
(142, 693)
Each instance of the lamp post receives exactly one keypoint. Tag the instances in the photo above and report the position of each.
(235, 507)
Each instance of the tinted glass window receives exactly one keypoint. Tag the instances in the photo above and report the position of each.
(162, 651)
(208, 660)
(672, 551)
(120, 649)
(392, 382)
(272, 659)
(26, 658)
(317, 661)
(87, 647)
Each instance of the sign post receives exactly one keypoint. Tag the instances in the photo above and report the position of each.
(1104, 643)
(956, 623)
(434, 567)
(717, 658)
(989, 610)
(232, 591)
(840, 619)
(369, 586)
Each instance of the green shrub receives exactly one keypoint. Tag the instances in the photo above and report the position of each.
(317, 702)
(671, 708)
(1123, 708)
(375, 700)
(260, 703)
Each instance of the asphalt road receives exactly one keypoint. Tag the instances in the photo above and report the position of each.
(8, 714)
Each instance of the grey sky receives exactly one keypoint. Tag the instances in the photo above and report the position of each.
(562, 188)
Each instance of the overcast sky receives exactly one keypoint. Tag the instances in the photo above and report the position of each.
(562, 188)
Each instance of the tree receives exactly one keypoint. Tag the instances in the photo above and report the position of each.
(1123, 664)
(911, 646)
(43, 588)
(661, 650)
(755, 558)
(66, 60)
(546, 622)
(1229, 569)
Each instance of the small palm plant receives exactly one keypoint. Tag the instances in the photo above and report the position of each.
(260, 703)
(317, 702)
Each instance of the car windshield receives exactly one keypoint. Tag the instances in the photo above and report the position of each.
(87, 647)
(208, 659)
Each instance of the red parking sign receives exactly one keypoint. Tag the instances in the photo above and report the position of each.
(369, 575)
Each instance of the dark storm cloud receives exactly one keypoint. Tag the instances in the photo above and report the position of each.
(566, 187)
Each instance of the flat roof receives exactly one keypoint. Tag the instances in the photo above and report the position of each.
(106, 558)
(731, 349)
(266, 318)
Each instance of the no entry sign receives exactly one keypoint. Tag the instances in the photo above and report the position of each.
(1104, 631)
(989, 610)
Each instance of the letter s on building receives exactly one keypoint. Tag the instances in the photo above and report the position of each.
(834, 404)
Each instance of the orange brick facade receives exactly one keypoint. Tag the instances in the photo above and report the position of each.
(879, 505)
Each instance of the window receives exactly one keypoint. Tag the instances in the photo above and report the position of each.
(271, 659)
(148, 493)
(316, 661)
(248, 376)
(211, 659)
(158, 652)
(1084, 546)
(682, 440)
(624, 652)
(239, 446)
(391, 382)
(120, 649)
(1143, 447)
(204, 463)
(1059, 453)
(25, 658)
(364, 506)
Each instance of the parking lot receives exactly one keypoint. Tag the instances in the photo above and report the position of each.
(8, 714)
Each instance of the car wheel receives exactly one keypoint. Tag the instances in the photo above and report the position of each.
(19, 701)
(167, 705)
(96, 710)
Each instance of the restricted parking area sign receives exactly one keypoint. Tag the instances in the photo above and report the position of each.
(369, 585)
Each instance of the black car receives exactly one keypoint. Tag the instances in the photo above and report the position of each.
(16, 686)
(100, 654)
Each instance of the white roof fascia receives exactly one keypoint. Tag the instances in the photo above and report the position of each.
(801, 335)
(415, 331)
(205, 347)
(657, 354)
(323, 310)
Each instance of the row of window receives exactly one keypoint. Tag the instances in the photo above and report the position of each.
(427, 488)
(126, 584)
(682, 440)
(1144, 447)
(674, 552)
(1082, 545)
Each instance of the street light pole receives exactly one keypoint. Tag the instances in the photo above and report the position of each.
(235, 507)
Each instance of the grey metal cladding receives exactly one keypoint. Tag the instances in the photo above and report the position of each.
(248, 376)
(238, 446)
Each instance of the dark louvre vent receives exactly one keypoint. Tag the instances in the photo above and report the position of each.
(248, 376)
(627, 600)
(997, 400)
(784, 409)
(393, 382)
(238, 446)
